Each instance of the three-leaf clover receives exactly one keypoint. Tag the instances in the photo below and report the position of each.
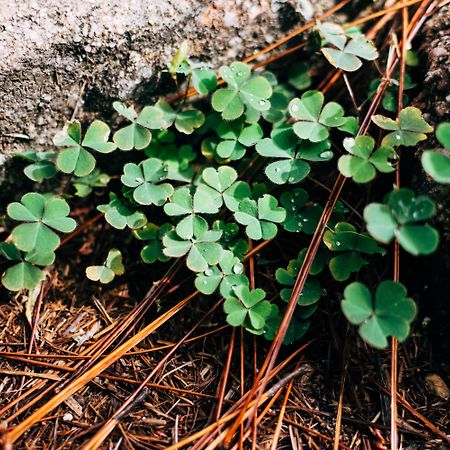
(120, 215)
(312, 290)
(408, 129)
(136, 135)
(260, 217)
(436, 164)
(185, 203)
(299, 215)
(296, 330)
(230, 239)
(401, 217)
(312, 118)
(76, 159)
(362, 163)
(22, 275)
(235, 138)
(153, 250)
(346, 54)
(41, 214)
(107, 272)
(389, 315)
(227, 274)
(199, 244)
(350, 245)
(145, 179)
(248, 309)
(243, 90)
(42, 166)
(219, 186)
(289, 166)
(185, 121)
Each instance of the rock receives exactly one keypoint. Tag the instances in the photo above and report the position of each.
(60, 60)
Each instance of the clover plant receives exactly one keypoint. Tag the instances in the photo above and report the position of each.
(111, 267)
(209, 177)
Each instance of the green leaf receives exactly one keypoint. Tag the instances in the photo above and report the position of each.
(298, 75)
(347, 54)
(260, 217)
(408, 129)
(204, 80)
(76, 159)
(107, 272)
(436, 164)
(22, 276)
(401, 216)
(390, 315)
(362, 162)
(120, 215)
(242, 91)
(227, 274)
(312, 118)
(10, 251)
(153, 250)
(42, 168)
(145, 180)
(85, 185)
(41, 215)
(197, 242)
(248, 309)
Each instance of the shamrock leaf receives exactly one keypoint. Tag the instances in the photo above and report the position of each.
(107, 272)
(312, 118)
(145, 179)
(260, 217)
(22, 276)
(184, 203)
(248, 309)
(242, 91)
(436, 164)
(119, 215)
(198, 243)
(390, 315)
(221, 186)
(346, 53)
(312, 291)
(401, 217)
(408, 129)
(41, 215)
(185, 121)
(299, 215)
(136, 135)
(42, 166)
(362, 163)
(350, 245)
(76, 159)
(290, 166)
(227, 274)
(235, 138)
(153, 250)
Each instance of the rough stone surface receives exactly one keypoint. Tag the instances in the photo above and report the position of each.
(59, 59)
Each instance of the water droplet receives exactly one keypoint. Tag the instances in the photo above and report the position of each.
(397, 137)
(208, 272)
(294, 108)
(238, 268)
(305, 219)
(300, 223)
(338, 243)
(327, 154)
(204, 250)
(139, 180)
(393, 159)
(296, 193)
(239, 74)
(291, 179)
(262, 102)
(204, 282)
(292, 200)
(277, 169)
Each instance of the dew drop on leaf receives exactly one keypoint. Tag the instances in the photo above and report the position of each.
(326, 154)
(208, 272)
(237, 268)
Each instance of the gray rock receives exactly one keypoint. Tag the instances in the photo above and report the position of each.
(61, 59)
